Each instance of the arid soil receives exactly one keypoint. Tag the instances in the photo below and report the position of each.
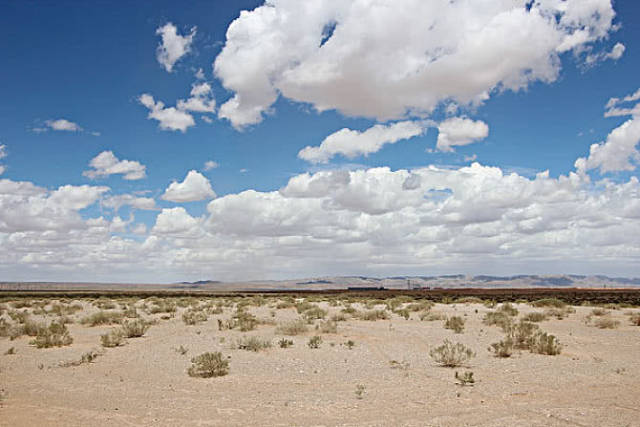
(387, 378)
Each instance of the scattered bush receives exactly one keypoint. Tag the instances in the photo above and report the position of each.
(350, 344)
(339, 317)
(544, 343)
(56, 335)
(634, 318)
(599, 312)
(113, 338)
(432, 317)
(534, 317)
(314, 342)
(498, 318)
(253, 344)
(209, 365)
(451, 355)
(455, 323)
(465, 379)
(508, 309)
(285, 343)
(549, 302)
(11, 350)
(606, 323)
(372, 315)
(360, 389)
(329, 327)
(314, 313)
(192, 317)
(102, 318)
(502, 348)
(134, 329)
(293, 327)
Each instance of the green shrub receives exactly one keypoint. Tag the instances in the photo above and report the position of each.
(508, 309)
(455, 323)
(451, 355)
(209, 365)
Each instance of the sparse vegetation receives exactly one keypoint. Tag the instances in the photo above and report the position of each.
(134, 329)
(372, 315)
(360, 389)
(536, 316)
(55, 335)
(208, 365)
(253, 344)
(544, 343)
(465, 378)
(451, 355)
(102, 318)
(192, 317)
(455, 323)
(285, 343)
(293, 327)
(113, 338)
(502, 348)
(314, 342)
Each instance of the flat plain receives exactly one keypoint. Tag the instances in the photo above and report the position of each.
(376, 362)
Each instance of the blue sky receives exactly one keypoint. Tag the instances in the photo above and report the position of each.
(523, 88)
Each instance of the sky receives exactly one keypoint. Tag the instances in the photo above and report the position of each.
(249, 140)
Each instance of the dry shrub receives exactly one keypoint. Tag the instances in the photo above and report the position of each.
(455, 323)
(102, 318)
(372, 315)
(134, 329)
(451, 355)
(56, 335)
(535, 317)
(253, 344)
(113, 338)
(293, 327)
(209, 365)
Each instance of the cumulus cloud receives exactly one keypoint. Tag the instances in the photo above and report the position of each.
(617, 153)
(175, 221)
(173, 46)
(170, 118)
(63, 125)
(3, 154)
(106, 163)
(194, 187)
(458, 131)
(379, 60)
(351, 143)
(200, 100)
(117, 201)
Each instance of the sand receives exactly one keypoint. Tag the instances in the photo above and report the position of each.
(593, 382)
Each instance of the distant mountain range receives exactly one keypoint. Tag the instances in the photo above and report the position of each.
(343, 282)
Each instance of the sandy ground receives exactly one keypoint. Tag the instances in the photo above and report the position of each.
(594, 382)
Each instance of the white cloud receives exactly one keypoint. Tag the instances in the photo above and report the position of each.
(63, 125)
(139, 228)
(458, 131)
(170, 118)
(615, 106)
(2, 169)
(200, 100)
(116, 202)
(194, 187)
(175, 221)
(616, 53)
(210, 164)
(106, 163)
(351, 143)
(173, 46)
(378, 60)
(3, 151)
(616, 153)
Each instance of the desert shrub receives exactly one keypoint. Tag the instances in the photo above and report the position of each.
(544, 343)
(285, 343)
(245, 321)
(293, 327)
(350, 344)
(209, 365)
(455, 323)
(314, 342)
(58, 309)
(339, 317)
(113, 338)
(5, 327)
(502, 348)
(508, 309)
(282, 305)
(549, 302)
(534, 317)
(348, 309)
(498, 318)
(432, 316)
(559, 313)
(360, 389)
(104, 304)
(11, 350)
(162, 306)
(131, 312)
(253, 344)
(192, 317)
(465, 378)
(303, 306)
(314, 313)
(32, 328)
(606, 323)
(18, 316)
(134, 329)
(22, 303)
(328, 327)
(634, 318)
(469, 300)
(102, 318)
(423, 305)
(56, 335)
(599, 312)
(403, 312)
(372, 315)
(451, 355)
(523, 334)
